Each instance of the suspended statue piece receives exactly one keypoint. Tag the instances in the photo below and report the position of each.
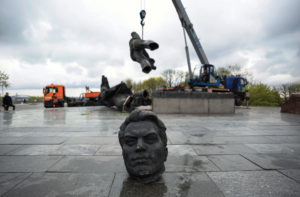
(143, 140)
(139, 54)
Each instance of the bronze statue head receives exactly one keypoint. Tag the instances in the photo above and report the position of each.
(143, 139)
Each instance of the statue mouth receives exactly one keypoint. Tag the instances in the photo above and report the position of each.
(141, 160)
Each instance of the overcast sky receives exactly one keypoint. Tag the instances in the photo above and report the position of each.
(75, 42)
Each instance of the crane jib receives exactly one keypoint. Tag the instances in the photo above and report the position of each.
(186, 23)
(200, 50)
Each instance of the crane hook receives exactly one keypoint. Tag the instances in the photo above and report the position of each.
(142, 15)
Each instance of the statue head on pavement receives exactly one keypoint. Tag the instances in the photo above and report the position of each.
(143, 139)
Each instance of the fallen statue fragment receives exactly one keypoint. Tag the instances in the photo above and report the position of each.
(143, 140)
(122, 97)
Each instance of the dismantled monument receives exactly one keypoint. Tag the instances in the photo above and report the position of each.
(143, 140)
(292, 105)
(121, 96)
(139, 54)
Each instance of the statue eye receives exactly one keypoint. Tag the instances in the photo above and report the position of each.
(130, 141)
(151, 138)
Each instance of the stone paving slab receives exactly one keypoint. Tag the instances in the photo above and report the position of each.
(177, 138)
(113, 150)
(38, 140)
(285, 139)
(292, 173)
(7, 140)
(171, 184)
(50, 133)
(180, 150)
(253, 132)
(89, 164)
(69, 149)
(64, 184)
(276, 148)
(6, 133)
(27, 163)
(77, 149)
(280, 128)
(54, 152)
(275, 161)
(189, 163)
(10, 180)
(182, 139)
(251, 183)
(227, 149)
(6, 149)
(233, 163)
(295, 148)
(93, 140)
(36, 150)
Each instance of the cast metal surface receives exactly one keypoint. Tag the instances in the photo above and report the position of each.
(122, 97)
(143, 140)
(139, 54)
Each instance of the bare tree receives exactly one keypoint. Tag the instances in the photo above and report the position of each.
(283, 89)
(153, 84)
(234, 70)
(179, 77)
(287, 89)
(293, 88)
(4, 80)
(223, 71)
(169, 76)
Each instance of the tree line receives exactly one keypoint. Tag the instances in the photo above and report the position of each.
(260, 94)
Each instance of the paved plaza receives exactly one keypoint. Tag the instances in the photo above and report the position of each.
(75, 152)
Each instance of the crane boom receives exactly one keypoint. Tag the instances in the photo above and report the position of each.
(188, 26)
(207, 76)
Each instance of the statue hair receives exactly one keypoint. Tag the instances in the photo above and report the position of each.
(140, 115)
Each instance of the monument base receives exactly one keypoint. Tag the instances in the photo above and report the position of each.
(180, 102)
(292, 105)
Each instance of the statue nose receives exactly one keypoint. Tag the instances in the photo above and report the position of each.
(140, 145)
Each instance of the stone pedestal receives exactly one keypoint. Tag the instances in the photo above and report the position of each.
(169, 102)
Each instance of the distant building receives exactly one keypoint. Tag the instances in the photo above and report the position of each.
(19, 98)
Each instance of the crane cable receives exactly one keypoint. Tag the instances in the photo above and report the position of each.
(143, 15)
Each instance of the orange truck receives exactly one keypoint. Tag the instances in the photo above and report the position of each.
(91, 95)
(54, 96)
(90, 98)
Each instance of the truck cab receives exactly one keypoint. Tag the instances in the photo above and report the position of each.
(206, 77)
(237, 85)
(54, 96)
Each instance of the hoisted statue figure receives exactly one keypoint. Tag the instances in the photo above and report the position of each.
(139, 54)
(143, 140)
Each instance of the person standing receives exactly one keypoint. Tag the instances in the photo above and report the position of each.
(7, 102)
(247, 96)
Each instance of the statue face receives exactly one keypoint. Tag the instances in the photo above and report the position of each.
(143, 151)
